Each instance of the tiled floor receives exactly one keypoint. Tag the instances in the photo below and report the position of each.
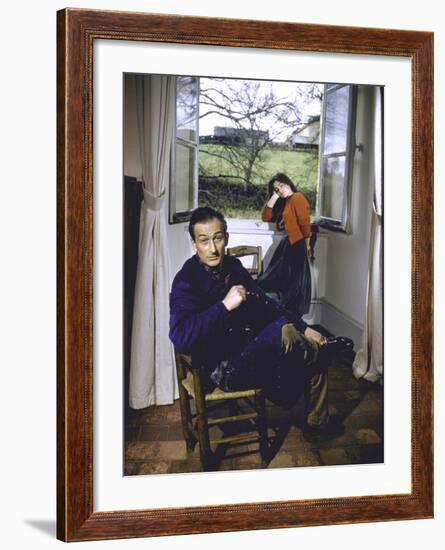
(155, 444)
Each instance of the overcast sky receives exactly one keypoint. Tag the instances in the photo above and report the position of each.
(282, 89)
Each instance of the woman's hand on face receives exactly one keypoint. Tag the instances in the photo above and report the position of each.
(315, 336)
(273, 199)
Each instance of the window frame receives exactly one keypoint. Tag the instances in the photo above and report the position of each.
(179, 216)
(254, 226)
(343, 224)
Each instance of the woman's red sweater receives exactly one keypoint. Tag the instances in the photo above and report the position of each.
(296, 216)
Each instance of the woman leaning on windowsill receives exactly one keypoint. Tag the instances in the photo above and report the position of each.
(287, 277)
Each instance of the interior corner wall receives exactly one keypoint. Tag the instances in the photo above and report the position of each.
(348, 254)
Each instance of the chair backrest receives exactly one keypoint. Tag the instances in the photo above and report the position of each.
(246, 250)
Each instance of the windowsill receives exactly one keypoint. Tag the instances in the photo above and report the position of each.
(253, 227)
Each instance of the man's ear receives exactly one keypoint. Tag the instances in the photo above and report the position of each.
(227, 238)
(193, 245)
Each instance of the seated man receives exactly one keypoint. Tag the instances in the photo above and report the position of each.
(245, 339)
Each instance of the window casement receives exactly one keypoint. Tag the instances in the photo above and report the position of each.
(184, 157)
(336, 154)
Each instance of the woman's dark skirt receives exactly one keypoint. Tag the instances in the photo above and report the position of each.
(288, 277)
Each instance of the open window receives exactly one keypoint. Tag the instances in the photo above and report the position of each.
(300, 150)
(184, 160)
(337, 145)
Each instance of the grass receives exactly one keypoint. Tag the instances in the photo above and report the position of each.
(300, 166)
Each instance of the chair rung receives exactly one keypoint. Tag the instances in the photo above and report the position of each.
(226, 419)
(234, 439)
(217, 394)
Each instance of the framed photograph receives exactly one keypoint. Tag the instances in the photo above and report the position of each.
(152, 113)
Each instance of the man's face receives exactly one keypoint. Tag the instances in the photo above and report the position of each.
(210, 242)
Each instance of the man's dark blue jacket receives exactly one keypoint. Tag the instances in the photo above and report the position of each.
(199, 321)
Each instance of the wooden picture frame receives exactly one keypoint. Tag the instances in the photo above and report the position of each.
(77, 31)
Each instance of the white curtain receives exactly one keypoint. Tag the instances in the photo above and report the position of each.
(152, 367)
(368, 363)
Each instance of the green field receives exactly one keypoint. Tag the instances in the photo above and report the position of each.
(221, 188)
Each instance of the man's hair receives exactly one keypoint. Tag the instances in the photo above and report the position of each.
(204, 214)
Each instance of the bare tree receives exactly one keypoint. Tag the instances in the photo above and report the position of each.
(259, 112)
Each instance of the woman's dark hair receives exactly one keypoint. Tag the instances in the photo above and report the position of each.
(279, 205)
(204, 214)
(283, 179)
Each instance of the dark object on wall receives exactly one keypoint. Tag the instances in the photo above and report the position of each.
(132, 190)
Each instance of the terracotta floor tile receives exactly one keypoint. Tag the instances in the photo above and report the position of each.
(172, 450)
(365, 435)
(370, 406)
(154, 432)
(130, 468)
(153, 467)
(365, 454)
(294, 440)
(283, 460)
(307, 457)
(174, 433)
(184, 466)
(334, 456)
(142, 451)
(252, 462)
(357, 421)
(226, 465)
(342, 440)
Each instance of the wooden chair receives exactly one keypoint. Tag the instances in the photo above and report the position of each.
(197, 424)
(246, 250)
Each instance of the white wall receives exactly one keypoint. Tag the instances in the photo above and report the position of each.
(348, 254)
(28, 238)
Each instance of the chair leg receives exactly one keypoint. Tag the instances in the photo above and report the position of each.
(186, 419)
(205, 450)
(261, 421)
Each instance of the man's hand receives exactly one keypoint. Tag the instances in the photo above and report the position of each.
(307, 241)
(314, 336)
(291, 338)
(235, 297)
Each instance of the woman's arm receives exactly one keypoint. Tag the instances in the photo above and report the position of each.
(267, 213)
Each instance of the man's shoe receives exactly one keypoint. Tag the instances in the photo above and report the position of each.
(339, 344)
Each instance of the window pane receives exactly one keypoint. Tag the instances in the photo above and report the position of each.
(333, 187)
(337, 104)
(185, 172)
(187, 107)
